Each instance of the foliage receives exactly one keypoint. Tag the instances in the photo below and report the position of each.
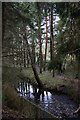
(27, 17)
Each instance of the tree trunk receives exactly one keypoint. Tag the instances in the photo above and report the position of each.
(40, 51)
(51, 35)
(46, 45)
(51, 39)
(33, 47)
(27, 60)
(33, 65)
(39, 16)
(24, 59)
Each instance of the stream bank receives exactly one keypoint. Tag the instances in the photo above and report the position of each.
(59, 105)
(57, 84)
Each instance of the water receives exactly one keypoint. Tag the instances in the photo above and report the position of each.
(59, 105)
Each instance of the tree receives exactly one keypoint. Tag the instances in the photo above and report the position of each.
(33, 65)
(46, 41)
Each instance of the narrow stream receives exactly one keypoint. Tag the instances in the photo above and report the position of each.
(59, 105)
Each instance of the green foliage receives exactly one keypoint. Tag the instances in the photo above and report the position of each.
(18, 16)
(50, 65)
(56, 64)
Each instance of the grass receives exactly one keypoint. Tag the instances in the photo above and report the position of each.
(11, 98)
(10, 76)
(52, 83)
(48, 81)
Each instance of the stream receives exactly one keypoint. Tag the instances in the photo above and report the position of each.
(59, 105)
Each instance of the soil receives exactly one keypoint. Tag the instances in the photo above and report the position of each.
(9, 114)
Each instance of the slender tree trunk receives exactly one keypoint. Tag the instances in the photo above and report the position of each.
(27, 60)
(33, 47)
(52, 37)
(20, 58)
(40, 51)
(51, 50)
(46, 45)
(51, 43)
(51, 34)
(33, 50)
(33, 65)
(41, 58)
(24, 59)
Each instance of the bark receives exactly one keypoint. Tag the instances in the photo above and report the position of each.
(46, 45)
(51, 35)
(41, 58)
(20, 58)
(27, 60)
(33, 65)
(40, 51)
(51, 42)
(33, 48)
(24, 59)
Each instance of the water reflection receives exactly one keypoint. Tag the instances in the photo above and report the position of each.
(56, 104)
(27, 90)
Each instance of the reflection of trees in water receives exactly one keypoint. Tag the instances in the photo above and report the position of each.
(26, 88)
(37, 95)
(43, 96)
(47, 95)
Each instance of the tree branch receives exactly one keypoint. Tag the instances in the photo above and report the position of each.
(73, 51)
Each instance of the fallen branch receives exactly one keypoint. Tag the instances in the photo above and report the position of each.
(77, 111)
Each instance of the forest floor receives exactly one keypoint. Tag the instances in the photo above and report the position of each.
(59, 76)
(11, 77)
(10, 114)
(65, 77)
(60, 83)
